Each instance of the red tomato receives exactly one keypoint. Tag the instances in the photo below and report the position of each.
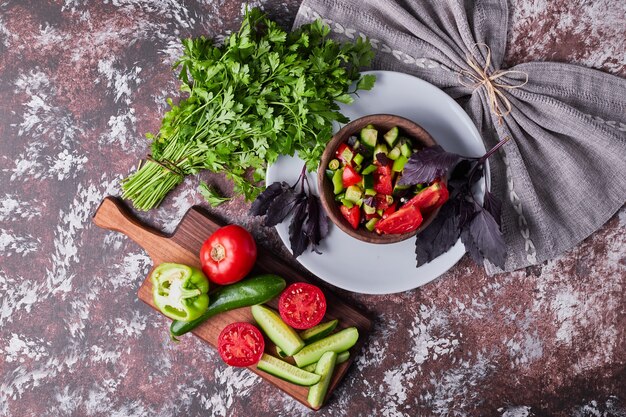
(380, 202)
(405, 220)
(430, 197)
(371, 216)
(240, 344)
(389, 211)
(228, 254)
(339, 153)
(350, 176)
(383, 180)
(352, 215)
(302, 305)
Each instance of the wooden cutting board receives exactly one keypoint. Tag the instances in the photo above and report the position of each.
(183, 246)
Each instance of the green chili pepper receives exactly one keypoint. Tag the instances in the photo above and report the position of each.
(180, 291)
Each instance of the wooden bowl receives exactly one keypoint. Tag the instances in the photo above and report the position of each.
(383, 122)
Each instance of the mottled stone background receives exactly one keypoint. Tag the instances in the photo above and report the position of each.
(82, 81)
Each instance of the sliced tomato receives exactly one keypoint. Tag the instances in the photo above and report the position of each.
(240, 344)
(339, 153)
(380, 202)
(371, 216)
(383, 183)
(350, 176)
(302, 305)
(389, 210)
(352, 215)
(405, 220)
(430, 197)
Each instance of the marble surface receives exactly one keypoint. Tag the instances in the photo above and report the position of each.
(82, 81)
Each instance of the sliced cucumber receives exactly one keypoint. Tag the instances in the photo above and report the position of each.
(341, 358)
(318, 332)
(406, 150)
(399, 163)
(358, 159)
(394, 153)
(286, 371)
(392, 136)
(278, 332)
(369, 209)
(325, 367)
(380, 148)
(347, 203)
(369, 136)
(282, 354)
(369, 169)
(337, 342)
(353, 193)
(371, 223)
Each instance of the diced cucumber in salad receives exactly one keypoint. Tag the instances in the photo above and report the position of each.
(365, 177)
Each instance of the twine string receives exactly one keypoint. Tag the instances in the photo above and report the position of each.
(499, 104)
(167, 164)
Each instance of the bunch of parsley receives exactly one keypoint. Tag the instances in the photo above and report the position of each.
(261, 94)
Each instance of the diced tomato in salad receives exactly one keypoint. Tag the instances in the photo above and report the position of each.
(350, 176)
(352, 215)
(383, 181)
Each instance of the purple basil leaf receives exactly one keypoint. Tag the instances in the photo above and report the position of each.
(459, 177)
(467, 210)
(316, 227)
(426, 165)
(471, 247)
(383, 159)
(297, 238)
(494, 206)
(261, 204)
(487, 237)
(281, 206)
(370, 201)
(439, 236)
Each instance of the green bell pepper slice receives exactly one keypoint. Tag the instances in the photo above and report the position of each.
(180, 291)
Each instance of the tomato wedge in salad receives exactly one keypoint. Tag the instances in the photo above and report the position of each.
(302, 305)
(405, 220)
(240, 344)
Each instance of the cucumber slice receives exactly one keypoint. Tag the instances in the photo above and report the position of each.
(341, 358)
(318, 332)
(392, 136)
(369, 136)
(369, 169)
(371, 223)
(406, 150)
(369, 209)
(398, 164)
(380, 148)
(358, 159)
(353, 193)
(347, 203)
(325, 367)
(394, 153)
(337, 342)
(277, 331)
(280, 353)
(286, 371)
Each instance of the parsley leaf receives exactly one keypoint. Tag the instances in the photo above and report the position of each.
(211, 195)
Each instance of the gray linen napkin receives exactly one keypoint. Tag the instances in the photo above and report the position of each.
(564, 173)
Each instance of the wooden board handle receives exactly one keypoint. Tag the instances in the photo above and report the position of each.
(113, 215)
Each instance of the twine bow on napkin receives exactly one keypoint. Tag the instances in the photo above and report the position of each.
(564, 173)
(483, 77)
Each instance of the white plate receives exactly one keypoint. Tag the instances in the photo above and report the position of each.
(384, 269)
